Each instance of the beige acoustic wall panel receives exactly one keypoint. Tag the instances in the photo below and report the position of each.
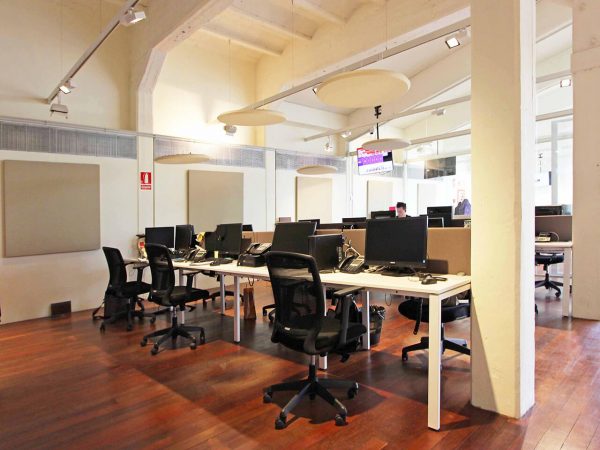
(380, 196)
(50, 207)
(314, 198)
(214, 198)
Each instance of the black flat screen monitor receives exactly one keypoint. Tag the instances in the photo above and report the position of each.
(435, 222)
(383, 214)
(317, 221)
(247, 227)
(324, 249)
(293, 236)
(333, 226)
(354, 219)
(397, 243)
(445, 212)
(228, 238)
(161, 235)
(550, 210)
(184, 237)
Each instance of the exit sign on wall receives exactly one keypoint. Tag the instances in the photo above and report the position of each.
(146, 181)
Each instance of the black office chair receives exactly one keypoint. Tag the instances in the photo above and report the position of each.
(300, 324)
(164, 292)
(121, 292)
(415, 309)
(546, 260)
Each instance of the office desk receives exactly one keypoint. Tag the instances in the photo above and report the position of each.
(370, 282)
(565, 247)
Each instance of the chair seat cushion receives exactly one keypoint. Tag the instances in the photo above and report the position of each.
(410, 309)
(179, 296)
(130, 289)
(327, 339)
(549, 258)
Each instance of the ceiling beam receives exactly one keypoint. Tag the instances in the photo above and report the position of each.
(268, 20)
(317, 11)
(238, 39)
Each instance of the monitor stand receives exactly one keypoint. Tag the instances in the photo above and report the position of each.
(398, 272)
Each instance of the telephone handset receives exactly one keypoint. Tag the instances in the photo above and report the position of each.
(258, 249)
(195, 255)
(352, 264)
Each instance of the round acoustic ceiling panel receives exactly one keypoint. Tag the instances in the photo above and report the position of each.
(316, 170)
(363, 88)
(386, 144)
(251, 117)
(184, 158)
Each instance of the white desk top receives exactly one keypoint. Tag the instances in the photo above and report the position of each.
(555, 244)
(367, 280)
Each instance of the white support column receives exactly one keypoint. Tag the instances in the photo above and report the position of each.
(503, 169)
(585, 66)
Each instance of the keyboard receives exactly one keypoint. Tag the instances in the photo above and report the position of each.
(219, 261)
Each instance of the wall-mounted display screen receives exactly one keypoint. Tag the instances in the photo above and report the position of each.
(372, 161)
(441, 167)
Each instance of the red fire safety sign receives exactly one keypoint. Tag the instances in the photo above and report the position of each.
(146, 181)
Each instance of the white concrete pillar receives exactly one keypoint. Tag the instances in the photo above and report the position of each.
(585, 65)
(503, 168)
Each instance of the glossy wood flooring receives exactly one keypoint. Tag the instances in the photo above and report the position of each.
(63, 385)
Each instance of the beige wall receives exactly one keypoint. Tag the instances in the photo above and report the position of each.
(31, 49)
(194, 88)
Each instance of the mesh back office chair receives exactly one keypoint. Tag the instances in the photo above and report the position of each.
(120, 290)
(164, 292)
(416, 310)
(300, 325)
(546, 260)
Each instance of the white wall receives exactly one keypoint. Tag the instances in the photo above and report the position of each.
(35, 59)
(29, 284)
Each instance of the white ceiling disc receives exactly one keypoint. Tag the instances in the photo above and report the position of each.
(251, 117)
(386, 144)
(316, 170)
(183, 158)
(363, 88)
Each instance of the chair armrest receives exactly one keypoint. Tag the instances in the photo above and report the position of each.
(190, 278)
(346, 295)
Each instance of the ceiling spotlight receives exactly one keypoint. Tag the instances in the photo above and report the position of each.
(314, 89)
(346, 134)
(230, 130)
(59, 108)
(439, 112)
(565, 82)
(67, 87)
(452, 42)
(131, 17)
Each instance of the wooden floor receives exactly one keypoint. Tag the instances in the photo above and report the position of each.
(64, 385)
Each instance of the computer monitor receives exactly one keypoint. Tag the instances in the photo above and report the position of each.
(317, 221)
(184, 237)
(354, 219)
(550, 210)
(445, 212)
(247, 227)
(324, 249)
(435, 222)
(383, 214)
(293, 236)
(397, 244)
(161, 235)
(229, 239)
(334, 226)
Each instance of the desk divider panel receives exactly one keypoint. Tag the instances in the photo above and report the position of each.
(561, 225)
(50, 207)
(449, 250)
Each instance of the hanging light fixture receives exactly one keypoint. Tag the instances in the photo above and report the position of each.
(182, 158)
(384, 144)
(317, 169)
(251, 117)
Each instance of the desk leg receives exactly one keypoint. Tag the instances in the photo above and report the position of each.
(435, 361)
(323, 359)
(567, 302)
(222, 286)
(181, 282)
(236, 309)
(366, 320)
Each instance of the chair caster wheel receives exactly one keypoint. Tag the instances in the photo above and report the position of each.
(202, 338)
(193, 345)
(280, 423)
(264, 313)
(153, 320)
(129, 327)
(557, 294)
(404, 357)
(267, 398)
(154, 350)
(340, 420)
(144, 342)
(352, 392)
(464, 345)
(102, 328)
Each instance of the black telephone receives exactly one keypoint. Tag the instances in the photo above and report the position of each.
(352, 264)
(195, 255)
(254, 256)
(257, 248)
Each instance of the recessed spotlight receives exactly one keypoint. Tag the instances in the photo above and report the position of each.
(439, 112)
(346, 134)
(314, 89)
(230, 130)
(566, 82)
(67, 87)
(132, 17)
(452, 42)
